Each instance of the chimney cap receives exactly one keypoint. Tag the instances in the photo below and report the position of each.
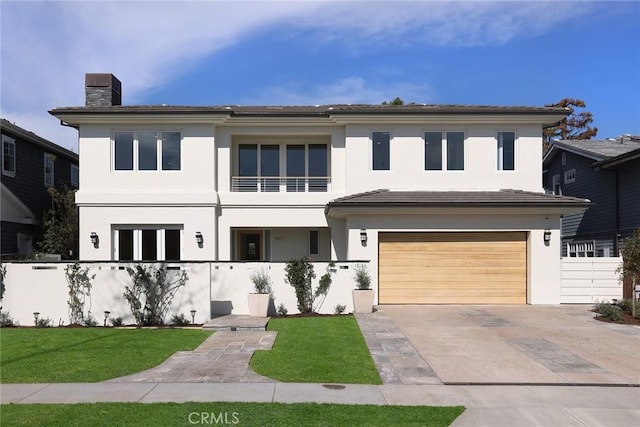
(102, 80)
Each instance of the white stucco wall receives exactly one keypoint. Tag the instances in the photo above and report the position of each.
(407, 160)
(102, 219)
(42, 287)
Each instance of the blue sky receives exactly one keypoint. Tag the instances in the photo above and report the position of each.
(306, 52)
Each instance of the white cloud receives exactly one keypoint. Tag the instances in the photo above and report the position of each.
(349, 90)
(47, 47)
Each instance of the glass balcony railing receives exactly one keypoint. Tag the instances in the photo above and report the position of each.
(281, 184)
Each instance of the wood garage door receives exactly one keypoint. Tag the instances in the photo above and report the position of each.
(452, 268)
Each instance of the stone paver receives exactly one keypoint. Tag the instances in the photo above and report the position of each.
(221, 358)
(397, 360)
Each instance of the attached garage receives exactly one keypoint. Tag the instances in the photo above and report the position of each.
(452, 268)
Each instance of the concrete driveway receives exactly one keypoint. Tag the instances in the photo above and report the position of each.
(481, 344)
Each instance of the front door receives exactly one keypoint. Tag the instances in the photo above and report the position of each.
(249, 245)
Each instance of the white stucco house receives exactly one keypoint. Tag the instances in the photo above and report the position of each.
(444, 201)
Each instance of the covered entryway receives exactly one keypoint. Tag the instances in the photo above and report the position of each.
(452, 268)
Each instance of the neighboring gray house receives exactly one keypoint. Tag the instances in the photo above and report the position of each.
(30, 165)
(607, 172)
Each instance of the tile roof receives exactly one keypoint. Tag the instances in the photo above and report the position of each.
(314, 110)
(501, 198)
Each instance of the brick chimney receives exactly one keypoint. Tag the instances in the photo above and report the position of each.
(102, 90)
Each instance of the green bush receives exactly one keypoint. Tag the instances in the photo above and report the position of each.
(180, 320)
(626, 305)
(339, 309)
(299, 274)
(6, 321)
(609, 311)
(116, 322)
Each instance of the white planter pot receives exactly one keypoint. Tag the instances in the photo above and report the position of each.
(362, 300)
(258, 305)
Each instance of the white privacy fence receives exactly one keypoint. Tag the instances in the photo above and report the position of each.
(213, 288)
(587, 280)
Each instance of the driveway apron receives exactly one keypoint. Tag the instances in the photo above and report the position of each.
(524, 344)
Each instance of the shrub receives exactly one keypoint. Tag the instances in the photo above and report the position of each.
(6, 321)
(626, 305)
(152, 293)
(116, 322)
(90, 321)
(79, 285)
(299, 274)
(3, 274)
(261, 282)
(609, 311)
(282, 310)
(362, 277)
(339, 309)
(180, 320)
(631, 262)
(43, 322)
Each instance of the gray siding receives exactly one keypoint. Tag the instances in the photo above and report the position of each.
(629, 182)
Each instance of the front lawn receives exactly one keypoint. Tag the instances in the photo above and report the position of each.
(247, 414)
(60, 355)
(323, 349)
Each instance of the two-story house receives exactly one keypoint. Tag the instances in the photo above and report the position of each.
(445, 202)
(30, 166)
(607, 172)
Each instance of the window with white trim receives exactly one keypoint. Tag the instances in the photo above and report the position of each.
(147, 243)
(146, 150)
(49, 163)
(570, 176)
(444, 148)
(8, 156)
(557, 190)
(581, 249)
(75, 176)
(506, 151)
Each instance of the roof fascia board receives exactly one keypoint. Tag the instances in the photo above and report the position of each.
(497, 209)
(435, 118)
(11, 129)
(615, 161)
(132, 118)
(278, 121)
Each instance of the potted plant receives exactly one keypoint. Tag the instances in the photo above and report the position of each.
(259, 300)
(363, 294)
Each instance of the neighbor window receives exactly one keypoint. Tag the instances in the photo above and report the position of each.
(48, 169)
(147, 243)
(75, 176)
(557, 190)
(381, 156)
(146, 150)
(506, 151)
(444, 148)
(581, 249)
(8, 156)
(570, 176)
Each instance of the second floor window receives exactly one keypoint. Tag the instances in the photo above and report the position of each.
(282, 167)
(146, 150)
(48, 169)
(8, 156)
(381, 155)
(444, 148)
(506, 151)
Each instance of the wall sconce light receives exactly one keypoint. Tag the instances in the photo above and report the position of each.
(193, 317)
(95, 239)
(363, 237)
(547, 236)
(35, 318)
(106, 316)
(199, 238)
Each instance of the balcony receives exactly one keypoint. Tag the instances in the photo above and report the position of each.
(281, 184)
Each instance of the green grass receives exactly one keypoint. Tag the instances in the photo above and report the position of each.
(317, 350)
(243, 414)
(87, 354)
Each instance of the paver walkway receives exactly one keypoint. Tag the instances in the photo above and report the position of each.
(221, 358)
(396, 359)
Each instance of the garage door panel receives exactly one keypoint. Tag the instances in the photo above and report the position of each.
(452, 267)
